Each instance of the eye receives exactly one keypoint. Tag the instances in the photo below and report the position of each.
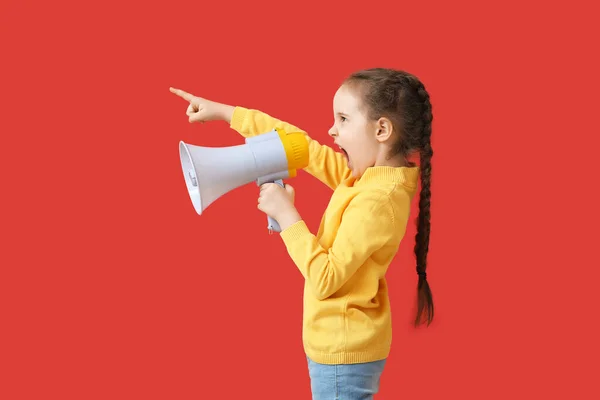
(343, 118)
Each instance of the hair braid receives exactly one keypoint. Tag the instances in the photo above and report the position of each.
(425, 301)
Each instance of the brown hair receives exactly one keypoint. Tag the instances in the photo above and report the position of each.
(401, 97)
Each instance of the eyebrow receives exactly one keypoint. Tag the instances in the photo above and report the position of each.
(341, 113)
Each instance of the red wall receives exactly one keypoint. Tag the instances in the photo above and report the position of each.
(112, 287)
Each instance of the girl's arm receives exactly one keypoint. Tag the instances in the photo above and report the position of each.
(325, 164)
(368, 224)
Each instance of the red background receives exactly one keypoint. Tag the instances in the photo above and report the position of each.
(111, 287)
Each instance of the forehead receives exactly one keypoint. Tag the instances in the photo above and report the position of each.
(346, 101)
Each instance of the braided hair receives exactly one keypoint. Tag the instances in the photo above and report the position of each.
(402, 98)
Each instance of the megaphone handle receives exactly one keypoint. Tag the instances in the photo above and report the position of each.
(273, 225)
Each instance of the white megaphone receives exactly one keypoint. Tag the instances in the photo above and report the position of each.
(210, 172)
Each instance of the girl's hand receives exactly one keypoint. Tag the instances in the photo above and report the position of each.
(201, 110)
(278, 203)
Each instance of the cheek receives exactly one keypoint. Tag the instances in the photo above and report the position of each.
(367, 153)
(365, 146)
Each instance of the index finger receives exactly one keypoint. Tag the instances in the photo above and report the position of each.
(185, 95)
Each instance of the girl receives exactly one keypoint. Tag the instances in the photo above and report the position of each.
(381, 117)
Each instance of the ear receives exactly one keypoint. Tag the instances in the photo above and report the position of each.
(384, 129)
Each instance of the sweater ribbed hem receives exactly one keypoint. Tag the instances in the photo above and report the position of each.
(347, 357)
(294, 232)
(237, 119)
(407, 176)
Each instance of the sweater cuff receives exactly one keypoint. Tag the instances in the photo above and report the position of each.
(294, 232)
(237, 119)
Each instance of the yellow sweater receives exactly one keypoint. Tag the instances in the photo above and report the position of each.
(347, 316)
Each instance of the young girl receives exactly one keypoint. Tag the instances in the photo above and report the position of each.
(381, 117)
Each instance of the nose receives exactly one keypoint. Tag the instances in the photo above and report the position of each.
(332, 131)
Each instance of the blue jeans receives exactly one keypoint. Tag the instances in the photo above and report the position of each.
(345, 381)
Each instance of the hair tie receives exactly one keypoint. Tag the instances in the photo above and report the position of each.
(422, 274)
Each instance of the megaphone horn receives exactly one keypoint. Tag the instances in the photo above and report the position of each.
(210, 172)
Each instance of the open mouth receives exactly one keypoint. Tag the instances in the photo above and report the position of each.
(345, 153)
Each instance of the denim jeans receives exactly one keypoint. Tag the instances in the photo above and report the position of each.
(344, 381)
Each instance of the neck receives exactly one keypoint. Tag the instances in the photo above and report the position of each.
(398, 160)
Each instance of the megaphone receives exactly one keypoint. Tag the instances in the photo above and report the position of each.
(210, 172)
